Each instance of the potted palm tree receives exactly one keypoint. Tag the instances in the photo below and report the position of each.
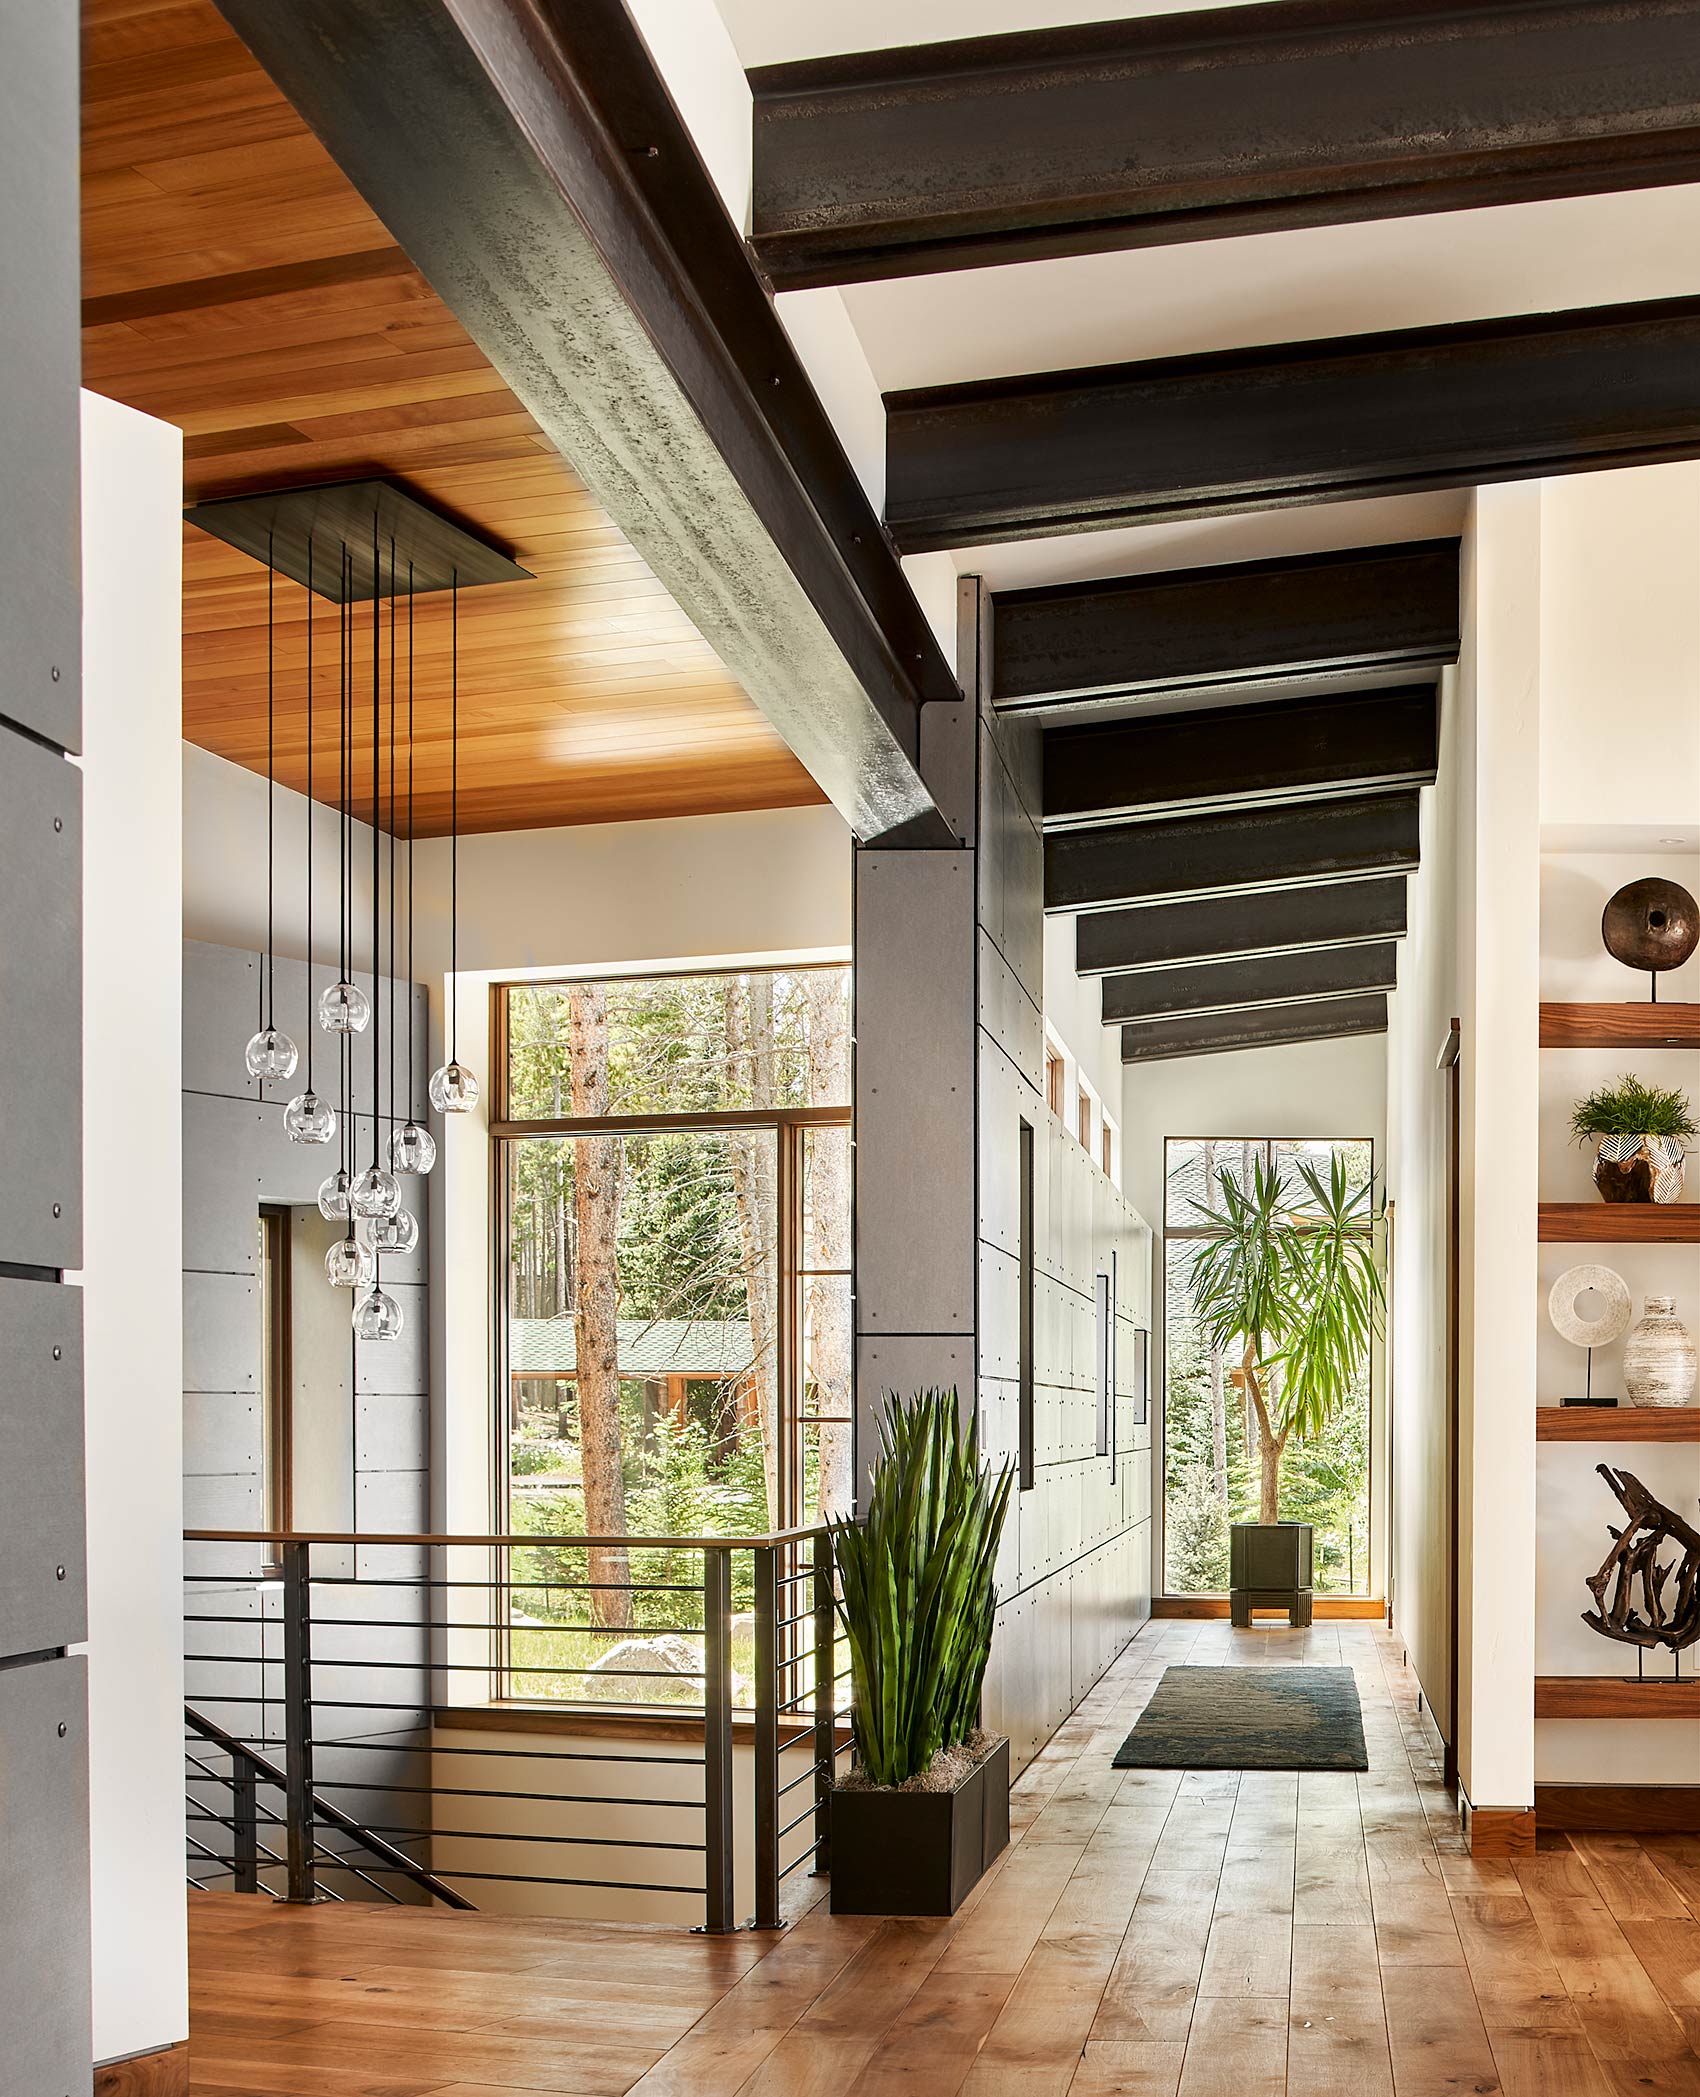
(925, 1807)
(1288, 1280)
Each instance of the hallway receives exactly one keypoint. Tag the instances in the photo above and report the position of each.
(1147, 1934)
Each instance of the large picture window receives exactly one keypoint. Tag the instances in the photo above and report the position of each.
(1209, 1437)
(673, 1171)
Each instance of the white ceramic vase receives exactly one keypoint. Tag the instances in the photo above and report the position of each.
(1659, 1362)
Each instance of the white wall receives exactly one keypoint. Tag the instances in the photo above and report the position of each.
(132, 1233)
(1303, 1088)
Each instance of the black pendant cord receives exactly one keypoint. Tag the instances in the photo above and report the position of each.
(312, 1022)
(390, 1068)
(410, 1063)
(377, 872)
(268, 1009)
(454, 816)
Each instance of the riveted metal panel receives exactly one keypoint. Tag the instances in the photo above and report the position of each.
(43, 1594)
(915, 1182)
(44, 1881)
(40, 620)
(41, 1016)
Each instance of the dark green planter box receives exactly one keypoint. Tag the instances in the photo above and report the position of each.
(1269, 1567)
(919, 1852)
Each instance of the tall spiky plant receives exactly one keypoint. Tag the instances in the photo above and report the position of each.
(917, 1589)
(1290, 1280)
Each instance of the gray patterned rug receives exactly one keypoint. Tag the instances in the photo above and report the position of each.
(1249, 1718)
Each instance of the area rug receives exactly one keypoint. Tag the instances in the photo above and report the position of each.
(1249, 1718)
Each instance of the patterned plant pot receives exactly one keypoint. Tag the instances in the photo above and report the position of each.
(1659, 1363)
(1640, 1168)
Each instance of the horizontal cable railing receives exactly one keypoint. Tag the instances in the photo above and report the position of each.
(418, 1717)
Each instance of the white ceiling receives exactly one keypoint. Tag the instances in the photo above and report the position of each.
(771, 32)
(1280, 287)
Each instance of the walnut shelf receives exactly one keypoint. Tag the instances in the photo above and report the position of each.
(1620, 1223)
(1617, 1423)
(1613, 1696)
(1620, 1026)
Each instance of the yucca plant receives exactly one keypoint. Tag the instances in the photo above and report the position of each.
(1289, 1279)
(917, 1590)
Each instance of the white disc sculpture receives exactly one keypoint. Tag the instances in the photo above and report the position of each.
(1609, 1323)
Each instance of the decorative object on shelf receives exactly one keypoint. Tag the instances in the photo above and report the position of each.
(1651, 924)
(453, 1088)
(1638, 1600)
(1609, 1323)
(1659, 1362)
(270, 1054)
(1642, 1132)
(926, 1806)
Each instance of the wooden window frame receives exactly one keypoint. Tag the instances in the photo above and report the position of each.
(790, 1126)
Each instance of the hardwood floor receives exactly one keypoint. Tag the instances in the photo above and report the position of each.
(1148, 1934)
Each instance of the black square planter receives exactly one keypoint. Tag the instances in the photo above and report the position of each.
(1269, 1567)
(919, 1852)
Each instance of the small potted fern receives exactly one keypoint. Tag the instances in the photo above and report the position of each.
(1642, 1133)
(925, 1808)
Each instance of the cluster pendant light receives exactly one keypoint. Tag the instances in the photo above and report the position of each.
(365, 1198)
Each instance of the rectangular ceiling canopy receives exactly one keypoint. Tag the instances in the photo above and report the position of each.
(305, 530)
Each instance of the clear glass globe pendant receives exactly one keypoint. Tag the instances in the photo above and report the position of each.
(412, 1148)
(375, 1193)
(454, 1090)
(377, 1316)
(271, 1054)
(309, 1119)
(397, 1233)
(349, 1264)
(333, 1197)
(344, 1008)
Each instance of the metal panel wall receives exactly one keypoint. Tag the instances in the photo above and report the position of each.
(40, 354)
(45, 2019)
(44, 1914)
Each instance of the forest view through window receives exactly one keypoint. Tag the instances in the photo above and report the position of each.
(1210, 1434)
(674, 1162)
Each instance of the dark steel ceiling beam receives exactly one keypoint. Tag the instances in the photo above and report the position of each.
(527, 156)
(1241, 120)
(1226, 928)
(1208, 632)
(1293, 423)
(1241, 756)
(1215, 1033)
(1224, 854)
(1237, 986)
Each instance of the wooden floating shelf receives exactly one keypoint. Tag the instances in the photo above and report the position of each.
(1620, 1223)
(1613, 1696)
(1617, 1423)
(1620, 1026)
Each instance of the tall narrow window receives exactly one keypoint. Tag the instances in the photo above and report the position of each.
(1085, 1124)
(275, 1375)
(1054, 1082)
(1107, 1148)
(1212, 1437)
(1024, 1388)
(1104, 1339)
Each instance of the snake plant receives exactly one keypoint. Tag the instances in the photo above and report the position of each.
(917, 1591)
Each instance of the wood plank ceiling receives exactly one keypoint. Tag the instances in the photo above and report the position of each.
(236, 285)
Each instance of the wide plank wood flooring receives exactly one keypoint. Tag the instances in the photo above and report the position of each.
(1148, 1934)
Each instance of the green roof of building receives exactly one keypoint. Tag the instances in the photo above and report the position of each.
(647, 1347)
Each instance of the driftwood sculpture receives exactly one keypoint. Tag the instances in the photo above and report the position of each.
(1638, 1600)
